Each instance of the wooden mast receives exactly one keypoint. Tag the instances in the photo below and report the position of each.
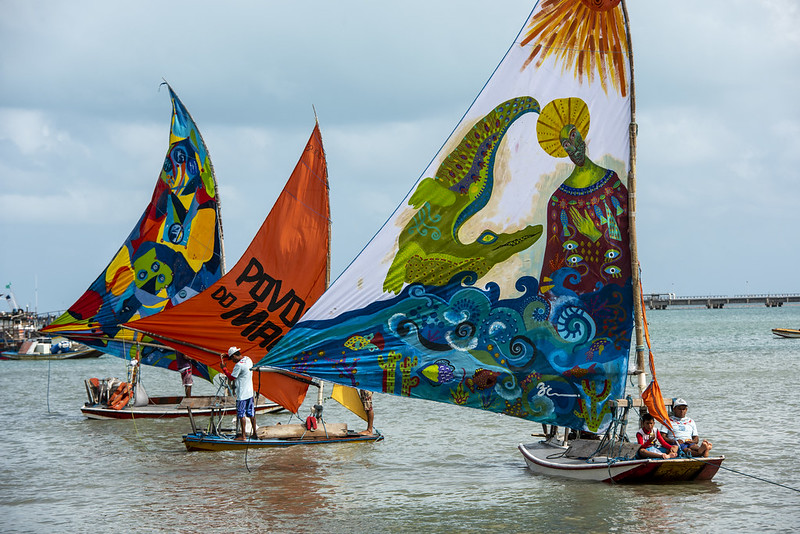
(635, 279)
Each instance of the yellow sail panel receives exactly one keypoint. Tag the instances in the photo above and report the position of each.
(350, 398)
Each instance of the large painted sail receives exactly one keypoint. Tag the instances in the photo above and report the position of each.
(172, 254)
(503, 280)
(280, 275)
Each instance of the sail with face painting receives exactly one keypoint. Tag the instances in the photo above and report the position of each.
(173, 253)
(503, 280)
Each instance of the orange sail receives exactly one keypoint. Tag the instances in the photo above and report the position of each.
(282, 272)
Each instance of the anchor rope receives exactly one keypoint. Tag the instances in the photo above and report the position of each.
(749, 475)
(49, 363)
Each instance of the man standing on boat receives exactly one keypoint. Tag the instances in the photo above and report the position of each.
(684, 431)
(185, 369)
(242, 375)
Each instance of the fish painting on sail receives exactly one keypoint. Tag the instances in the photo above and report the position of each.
(503, 282)
(172, 254)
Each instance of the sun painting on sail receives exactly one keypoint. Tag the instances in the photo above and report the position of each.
(584, 35)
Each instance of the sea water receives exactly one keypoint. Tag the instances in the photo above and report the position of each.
(440, 469)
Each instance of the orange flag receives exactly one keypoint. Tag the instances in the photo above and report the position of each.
(652, 396)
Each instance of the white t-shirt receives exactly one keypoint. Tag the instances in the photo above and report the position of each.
(683, 429)
(243, 374)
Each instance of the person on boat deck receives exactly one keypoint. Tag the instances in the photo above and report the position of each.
(366, 400)
(242, 375)
(653, 444)
(684, 431)
(185, 369)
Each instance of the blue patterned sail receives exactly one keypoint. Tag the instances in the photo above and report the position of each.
(172, 254)
(503, 280)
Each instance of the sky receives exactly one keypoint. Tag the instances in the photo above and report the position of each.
(84, 124)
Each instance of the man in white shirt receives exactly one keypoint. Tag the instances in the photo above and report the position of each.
(242, 375)
(684, 431)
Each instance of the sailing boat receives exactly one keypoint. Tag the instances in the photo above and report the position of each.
(173, 253)
(507, 279)
(283, 272)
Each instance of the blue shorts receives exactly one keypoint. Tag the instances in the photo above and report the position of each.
(245, 408)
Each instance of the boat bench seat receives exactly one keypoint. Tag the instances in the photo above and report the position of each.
(336, 430)
(586, 448)
(206, 402)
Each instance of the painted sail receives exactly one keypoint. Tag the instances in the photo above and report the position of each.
(503, 280)
(172, 254)
(280, 275)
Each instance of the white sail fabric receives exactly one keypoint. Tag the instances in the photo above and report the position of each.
(503, 280)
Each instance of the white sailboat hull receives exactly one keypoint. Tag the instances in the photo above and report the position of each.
(546, 459)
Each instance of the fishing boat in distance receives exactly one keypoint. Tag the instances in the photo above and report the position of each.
(46, 348)
(508, 278)
(786, 332)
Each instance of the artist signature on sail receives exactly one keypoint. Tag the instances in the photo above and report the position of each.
(430, 250)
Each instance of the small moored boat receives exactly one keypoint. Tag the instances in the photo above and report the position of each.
(112, 398)
(786, 332)
(45, 348)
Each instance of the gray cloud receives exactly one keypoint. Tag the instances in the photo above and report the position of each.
(84, 126)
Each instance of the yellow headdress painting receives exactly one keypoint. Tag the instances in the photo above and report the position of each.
(554, 117)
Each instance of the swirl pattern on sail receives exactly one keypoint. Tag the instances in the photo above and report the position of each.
(172, 254)
(503, 282)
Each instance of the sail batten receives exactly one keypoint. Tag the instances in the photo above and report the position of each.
(173, 253)
(503, 282)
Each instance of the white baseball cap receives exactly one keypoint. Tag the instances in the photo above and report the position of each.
(679, 402)
(232, 351)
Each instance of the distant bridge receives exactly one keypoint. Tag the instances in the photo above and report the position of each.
(661, 301)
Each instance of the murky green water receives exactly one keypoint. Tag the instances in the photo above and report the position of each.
(440, 469)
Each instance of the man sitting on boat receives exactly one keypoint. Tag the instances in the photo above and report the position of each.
(652, 441)
(684, 431)
(242, 375)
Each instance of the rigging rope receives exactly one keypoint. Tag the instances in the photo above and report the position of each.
(748, 475)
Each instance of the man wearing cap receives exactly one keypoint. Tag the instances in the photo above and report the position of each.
(242, 375)
(684, 431)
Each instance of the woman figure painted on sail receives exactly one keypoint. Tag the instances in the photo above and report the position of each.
(587, 220)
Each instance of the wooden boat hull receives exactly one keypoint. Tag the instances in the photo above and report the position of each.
(786, 332)
(546, 459)
(172, 407)
(200, 441)
(73, 355)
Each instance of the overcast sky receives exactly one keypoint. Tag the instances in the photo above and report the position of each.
(84, 125)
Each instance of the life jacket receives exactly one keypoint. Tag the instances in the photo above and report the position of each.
(119, 399)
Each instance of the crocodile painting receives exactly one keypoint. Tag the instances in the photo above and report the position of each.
(430, 251)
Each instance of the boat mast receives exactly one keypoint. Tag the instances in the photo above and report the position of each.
(635, 279)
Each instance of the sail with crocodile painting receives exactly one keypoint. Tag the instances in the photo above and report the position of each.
(507, 278)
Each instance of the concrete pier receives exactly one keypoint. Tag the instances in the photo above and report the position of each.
(661, 301)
